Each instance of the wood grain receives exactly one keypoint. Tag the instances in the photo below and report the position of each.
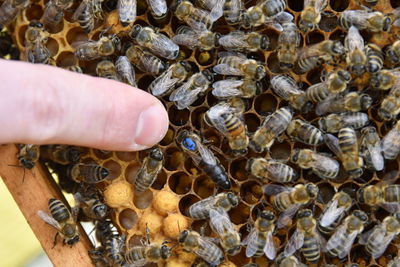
(32, 195)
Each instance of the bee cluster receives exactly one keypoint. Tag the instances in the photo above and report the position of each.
(283, 141)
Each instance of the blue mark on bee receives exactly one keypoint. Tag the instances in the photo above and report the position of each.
(189, 144)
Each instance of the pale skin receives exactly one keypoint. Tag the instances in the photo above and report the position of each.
(46, 105)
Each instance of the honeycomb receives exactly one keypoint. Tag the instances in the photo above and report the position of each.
(163, 208)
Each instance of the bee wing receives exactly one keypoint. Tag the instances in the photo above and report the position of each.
(207, 249)
(206, 154)
(159, 7)
(220, 222)
(286, 216)
(225, 69)
(324, 105)
(181, 91)
(333, 144)
(48, 219)
(83, 6)
(381, 236)
(188, 98)
(377, 160)
(252, 243)
(319, 5)
(232, 54)
(277, 21)
(218, 10)
(331, 214)
(125, 70)
(190, 39)
(270, 248)
(339, 233)
(274, 189)
(295, 242)
(324, 162)
(391, 207)
(127, 10)
(227, 88)
(354, 40)
(234, 39)
(284, 87)
(163, 45)
(215, 114)
(163, 83)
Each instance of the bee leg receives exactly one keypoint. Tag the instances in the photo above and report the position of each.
(55, 240)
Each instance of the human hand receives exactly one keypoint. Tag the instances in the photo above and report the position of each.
(46, 105)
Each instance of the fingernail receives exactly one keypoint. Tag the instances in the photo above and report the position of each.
(151, 126)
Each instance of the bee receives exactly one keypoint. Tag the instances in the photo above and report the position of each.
(334, 122)
(393, 53)
(61, 154)
(113, 245)
(151, 167)
(158, 8)
(145, 61)
(306, 238)
(54, 11)
(192, 241)
(334, 212)
(61, 219)
(225, 229)
(195, 86)
(91, 205)
(286, 88)
(323, 166)
(201, 209)
(288, 42)
(272, 170)
(382, 194)
(291, 261)
(203, 158)
(156, 42)
(373, 21)
(311, 14)
(340, 103)
(260, 240)
(125, 70)
(233, 11)
(244, 41)
(216, 7)
(313, 56)
(105, 46)
(340, 243)
(378, 239)
(346, 149)
(385, 79)
(147, 253)
(237, 64)
(198, 19)
(255, 16)
(288, 200)
(10, 9)
(106, 69)
(98, 258)
(272, 126)
(374, 58)
(28, 155)
(231, 125)
(35, 39)
(371, 148)
(390, 106)
(304, 132)
(356, 57)
(391, 143)
(230, 88)
(395, 262)
(87, 13)
(203, 40)
(127, 11)
(88, 173)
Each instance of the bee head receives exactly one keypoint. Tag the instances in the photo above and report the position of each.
(386, 24)
(35, 24)
(27, 164)
(233, 199)
(267, 215)
(157, 154)
(312, 190)
(209, 76)
(360, 195)
(307, 107)
(344, 75)
(187, 66)
(285, 65)
(338, 48)
(216, 39)
(100, 210)
(361, 215)
(73, 240)
(306, 26)
(135, 31)
(356, 173)
(104, 172)
(260, 72)
(384, 114)
(295, 155)
(304, 213)
(234, 250)
(240, 152)
(183, 235)
(165, 252)
(264, 42)
(366, 101)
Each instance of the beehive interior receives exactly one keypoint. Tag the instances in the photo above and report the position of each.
(179, 177)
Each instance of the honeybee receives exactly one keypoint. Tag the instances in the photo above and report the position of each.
(98, 258)
(237, 64)
(198, 19)
(225, 229)
(288, 42)
(286, 88)
(145, 61)
(35, 39)
(356, 57)
(346, 149)
(151, 167)
(378, 239)
(323, 166)
(373, 21)
(255, 16)
(339, 103)
(334, 212)
(306, 238)
(91, 205)
(288, 200)
(371, 148)
(312, 56)
(390, 106)
(233, 11)
(156, 42)
(147, 253)
(105, 46)
(201, 209)
(61, 219)
(311, 14)
(230, 88)
(175, 74)
(61, 154)
(395, 262)
(304, 132)
(385, 79)
(10, 9)
(272, 170)
(106, 69)
(272, 126)
(391, 143)
(291, 261)
(28, 155)
(216, 7)
(203, 40)
(54, 11)
(158, 8)
(260, 240)
(340, 243)
(393, 53)
(203, 158)
(244, 41)
(382, 194)
(334, 122)
(374, 57)
(125, 70)
(195, 86)
(127, 11)
(231, 125)
(87, 13)
(88, 173)
(192, 241)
